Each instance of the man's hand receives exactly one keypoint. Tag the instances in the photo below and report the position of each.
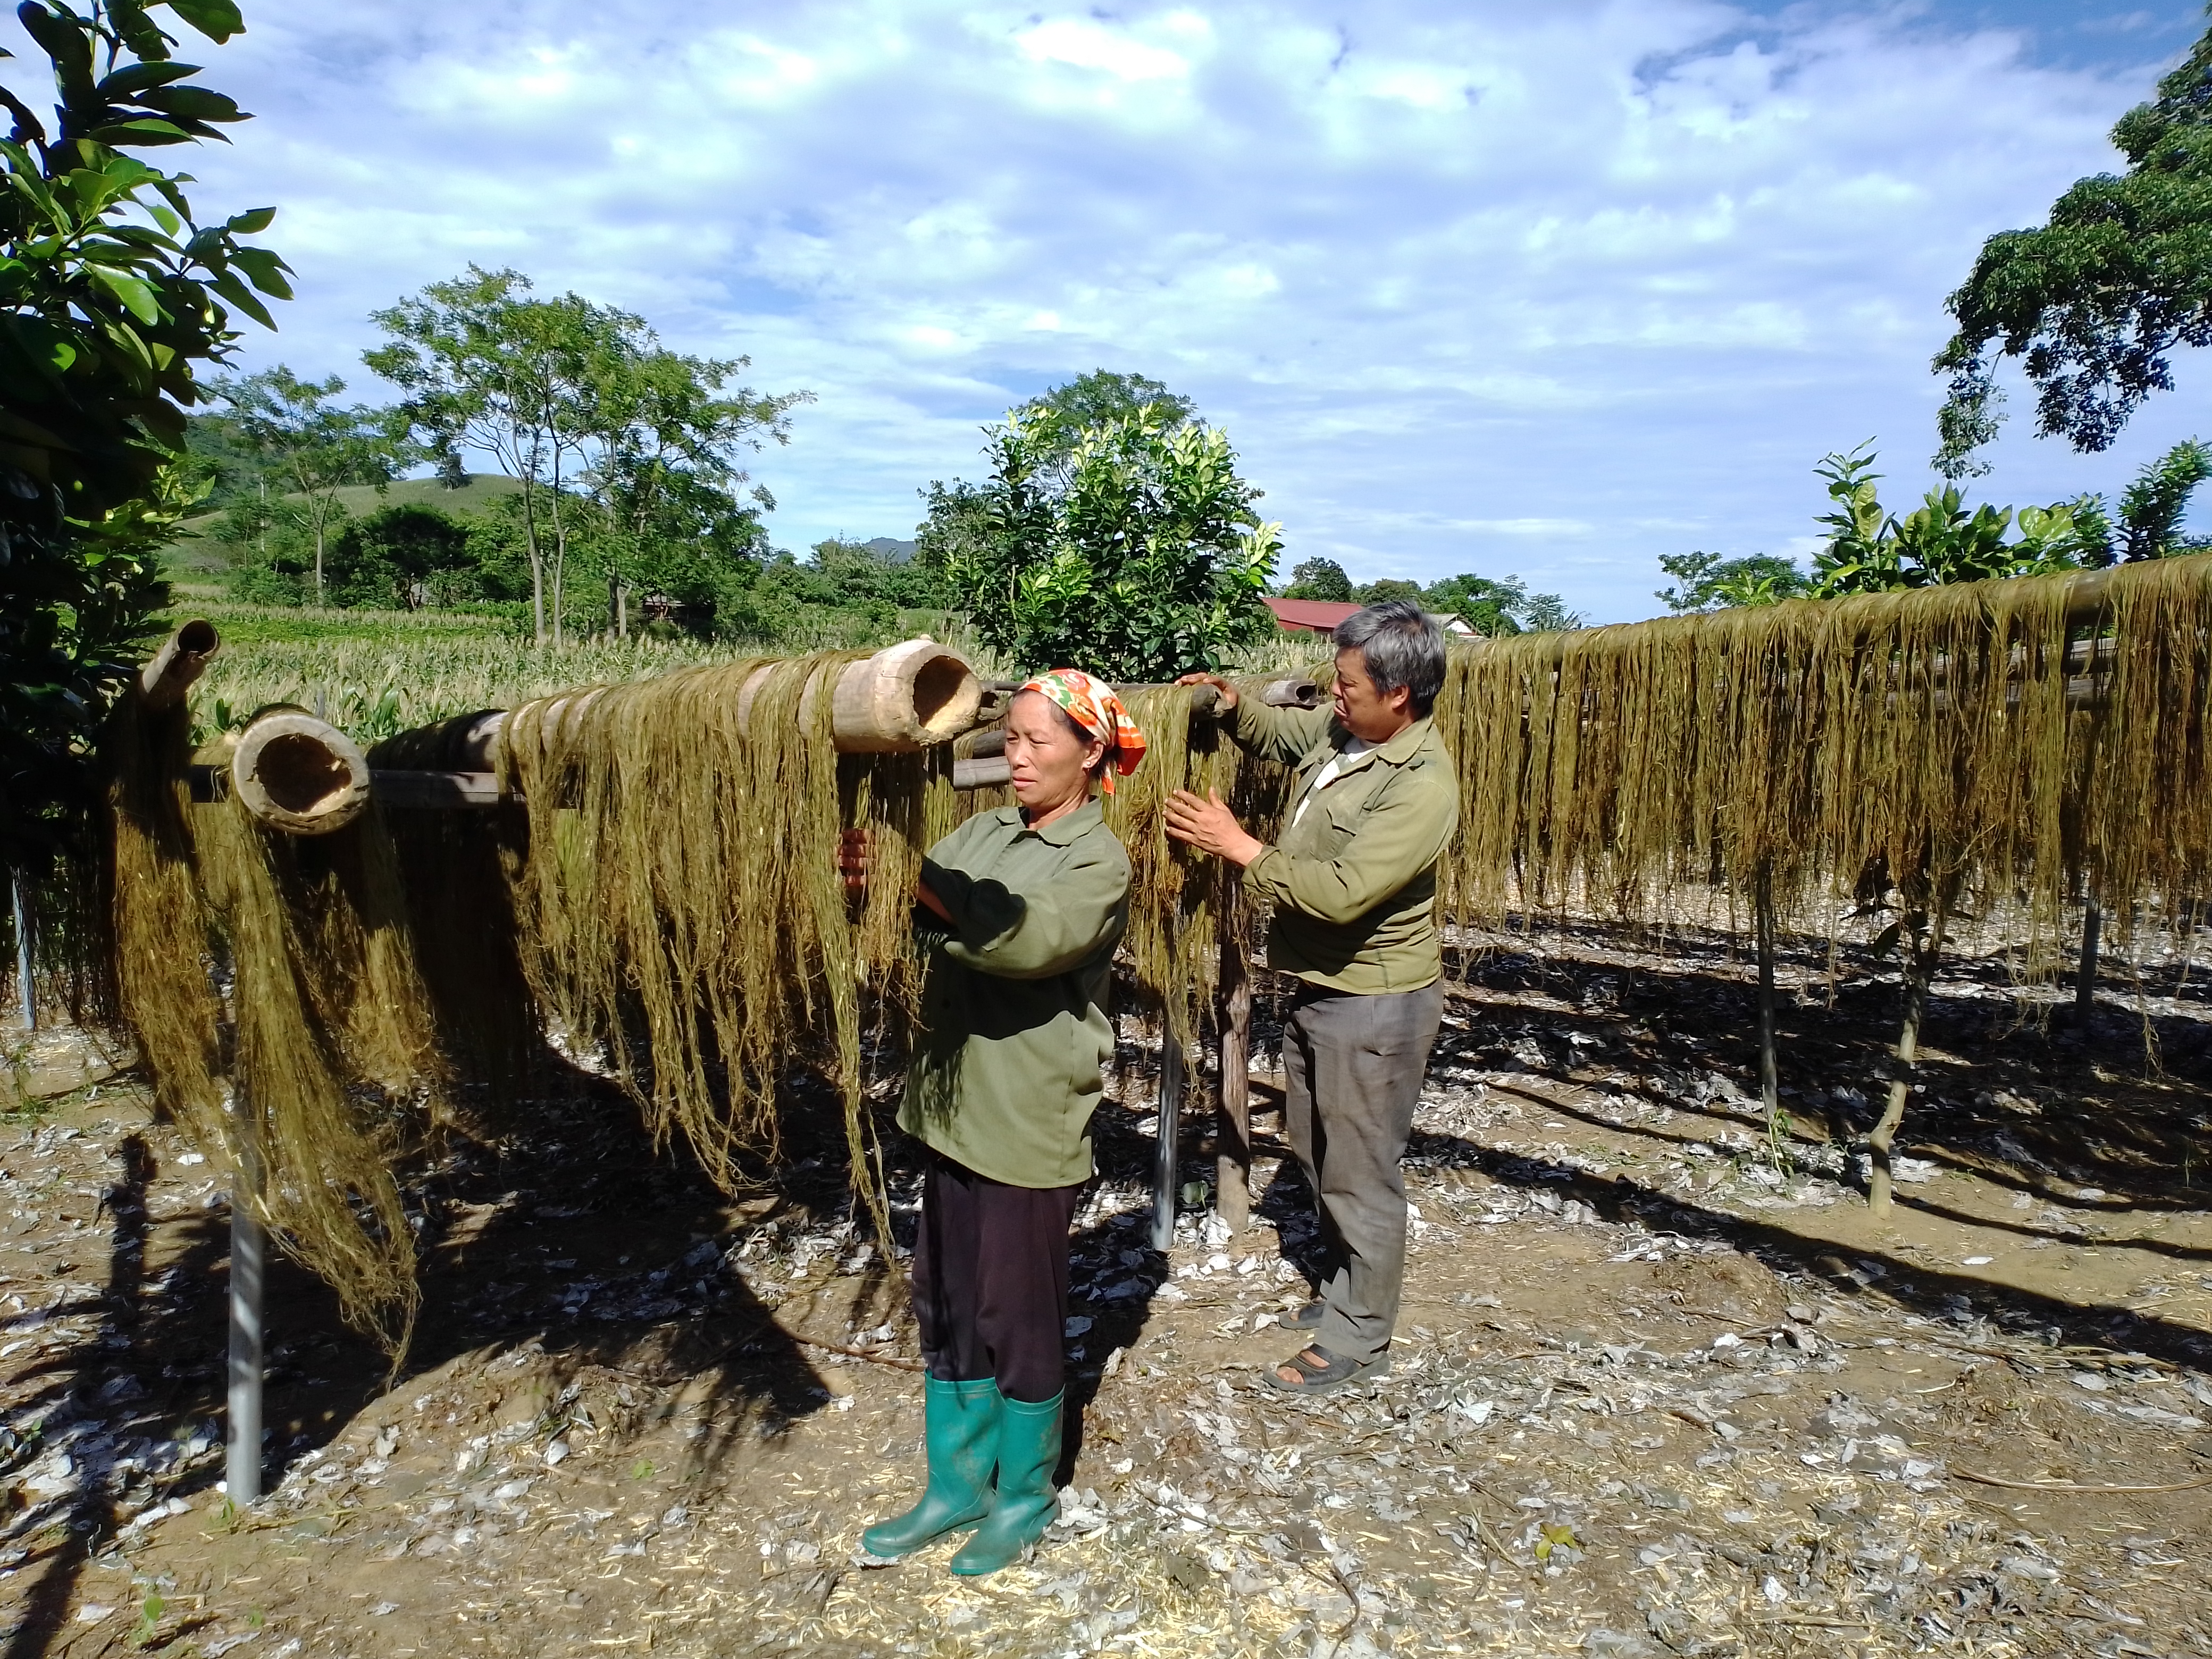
(1210, 826)
(930, 903)
(1226, 699)
(853, 859)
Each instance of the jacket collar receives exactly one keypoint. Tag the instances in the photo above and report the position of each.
(1060, 831)
(1397, 751)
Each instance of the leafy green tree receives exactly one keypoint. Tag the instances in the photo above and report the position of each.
(1319, 579)
(1708, 582)
(1869, 551)
(1547, 613)
(669, 477)
(485, 366)
(1386, 588)
(110, 295)
(403, 556)
(2151, 508)
(1128, 547)
(1090, 401)
(314, 447)
(2094, 301)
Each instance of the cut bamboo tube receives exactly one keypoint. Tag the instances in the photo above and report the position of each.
(1232, 1167)
(299, 774)
(170, 672)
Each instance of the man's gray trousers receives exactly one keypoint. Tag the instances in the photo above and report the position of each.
(1353, 1066)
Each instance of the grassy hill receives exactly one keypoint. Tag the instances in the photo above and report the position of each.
(196, 565)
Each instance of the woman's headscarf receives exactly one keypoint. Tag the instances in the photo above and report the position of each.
(1092, 705)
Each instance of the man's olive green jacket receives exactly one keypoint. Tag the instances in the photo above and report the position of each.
(1354, 880)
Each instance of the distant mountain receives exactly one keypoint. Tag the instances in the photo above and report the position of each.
(889, 549)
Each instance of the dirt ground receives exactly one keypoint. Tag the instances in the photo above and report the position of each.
(1662, 1386)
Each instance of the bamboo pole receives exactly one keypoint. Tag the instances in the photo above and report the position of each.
(1770, 1078)
(249, 1261)
(1232, 1165)
(2085, 978)
(1167, 1141)
(26, 986)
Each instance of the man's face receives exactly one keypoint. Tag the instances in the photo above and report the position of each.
(1370, 715)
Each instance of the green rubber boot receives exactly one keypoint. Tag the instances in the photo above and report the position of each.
(1029, 1450)
(961, 1433)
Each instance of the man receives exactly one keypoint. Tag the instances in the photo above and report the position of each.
(1373, 802)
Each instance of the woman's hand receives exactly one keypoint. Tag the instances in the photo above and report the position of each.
(853, 859)
(1226, 699)
(1211, 827)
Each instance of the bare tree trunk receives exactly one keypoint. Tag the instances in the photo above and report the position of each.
(1922, 936)
(1232, 1169)
(319, 559)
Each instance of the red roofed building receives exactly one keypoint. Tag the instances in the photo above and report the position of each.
(1309, 616)
(1320, 618)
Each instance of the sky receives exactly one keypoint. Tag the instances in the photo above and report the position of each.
(1547, 289)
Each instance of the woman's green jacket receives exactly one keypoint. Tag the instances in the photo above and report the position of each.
(1006, 1072)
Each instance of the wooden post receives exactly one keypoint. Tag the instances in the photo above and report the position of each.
(1167, 1139)
(1919, 972)
(1232, 1165)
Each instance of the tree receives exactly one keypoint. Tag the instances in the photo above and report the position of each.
(1127, 547)
(2151, 508)
(581, 403)
(1869, 551)
(1385, 589)
(669, 469)
(1090, 401)
(2095, 301)
(485, 366)
(313, 446)
(1319, 579)
(405, 556)
(111, 294)
(1709, 582)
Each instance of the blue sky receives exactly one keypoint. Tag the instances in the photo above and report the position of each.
(1547, 289)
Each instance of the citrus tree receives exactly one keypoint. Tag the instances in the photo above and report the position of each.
(112, 293)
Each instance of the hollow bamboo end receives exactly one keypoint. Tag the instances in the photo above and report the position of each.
(912, 696)
(299, 774)
(182, 658)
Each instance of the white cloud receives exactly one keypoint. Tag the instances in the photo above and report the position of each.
(1473, 284)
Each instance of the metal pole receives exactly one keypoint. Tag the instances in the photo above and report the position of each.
(1232, 1164)
(249, 1253)
(1166, 1154)
(24, 986)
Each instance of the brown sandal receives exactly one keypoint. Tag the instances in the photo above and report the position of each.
(1320, 1372)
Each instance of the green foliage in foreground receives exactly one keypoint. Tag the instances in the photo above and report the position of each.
(110, 295)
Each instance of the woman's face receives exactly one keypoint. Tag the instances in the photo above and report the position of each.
(1048, 761)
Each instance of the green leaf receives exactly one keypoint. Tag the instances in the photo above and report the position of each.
(136, 296)
(135, 78)
(226, 285)
(162, 216)
(264, 270)
(144, 130)
(218, 20)
(193, 103)
(252, 223)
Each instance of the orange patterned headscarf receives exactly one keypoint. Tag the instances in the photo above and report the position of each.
(1093, 706)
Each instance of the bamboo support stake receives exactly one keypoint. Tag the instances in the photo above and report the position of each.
(1770, 1078)
(1167, 1138)
(26, 987)
(1232, 1168)
(2085, 979)
(249, 1261)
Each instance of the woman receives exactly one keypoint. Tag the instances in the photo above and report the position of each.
(1019, 910)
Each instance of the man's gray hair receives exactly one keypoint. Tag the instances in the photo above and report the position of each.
(1400, 646)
